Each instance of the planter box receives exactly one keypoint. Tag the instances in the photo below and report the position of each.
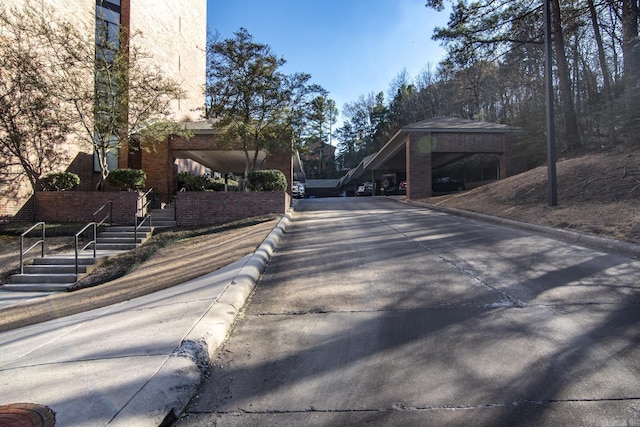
(79, 206)
(207, 207)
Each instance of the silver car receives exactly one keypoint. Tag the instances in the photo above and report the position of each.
(297, 190)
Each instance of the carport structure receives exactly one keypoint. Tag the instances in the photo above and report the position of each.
(204, 148)
(417, 149)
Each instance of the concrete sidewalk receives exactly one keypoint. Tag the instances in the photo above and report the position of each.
(136, 363)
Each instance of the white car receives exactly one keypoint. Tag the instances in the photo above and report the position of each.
(365, 189)
(297, 190)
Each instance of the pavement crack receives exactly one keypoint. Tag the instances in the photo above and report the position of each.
(403, 407)
(511, 300)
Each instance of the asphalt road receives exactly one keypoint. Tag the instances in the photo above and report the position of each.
(375, 312)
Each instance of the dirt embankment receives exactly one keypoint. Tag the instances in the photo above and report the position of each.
(598, 194)
(126, 277)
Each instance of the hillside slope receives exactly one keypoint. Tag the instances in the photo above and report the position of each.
(598, 194)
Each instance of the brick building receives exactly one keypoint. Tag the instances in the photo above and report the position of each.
(172, 33)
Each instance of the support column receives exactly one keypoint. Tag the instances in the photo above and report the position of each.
(158, 165)
(284, 163)
(503, 158)
(373, 183)
(418, 162)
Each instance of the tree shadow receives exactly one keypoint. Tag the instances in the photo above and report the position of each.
(516, 364)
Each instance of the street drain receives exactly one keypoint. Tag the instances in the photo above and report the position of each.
(26, 415)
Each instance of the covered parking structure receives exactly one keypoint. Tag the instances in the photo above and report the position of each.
(205, 149)
(417, 149)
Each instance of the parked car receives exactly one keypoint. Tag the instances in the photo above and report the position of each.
(297, 190)
(365, 189)
(446, 185)
(390, 183)
(402, 187)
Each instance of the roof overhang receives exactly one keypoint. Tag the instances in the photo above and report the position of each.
(388, 151)
(221, 161)
(356, 172)
(228, 161)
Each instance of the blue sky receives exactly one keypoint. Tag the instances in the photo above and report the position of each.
(350, 47)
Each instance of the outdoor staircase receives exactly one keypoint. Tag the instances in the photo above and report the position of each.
(58, 272)
(164, 218)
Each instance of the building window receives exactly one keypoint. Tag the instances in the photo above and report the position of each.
(107, 78)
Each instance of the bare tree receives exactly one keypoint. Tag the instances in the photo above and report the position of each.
(34, 118)
(127, 105)
(606, 76)
(104, 88)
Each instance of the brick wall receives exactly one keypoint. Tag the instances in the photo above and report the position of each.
(478, 142)
(206, 207)
(418, 152)
(174, 33)
(203, 141)
(79, 206)
(283, 163)
(16, 203)
(158, 165)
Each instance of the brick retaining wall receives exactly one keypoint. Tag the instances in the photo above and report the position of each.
(192, 207)
(207, 207)
(79, 206)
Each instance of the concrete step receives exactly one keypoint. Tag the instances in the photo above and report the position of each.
(168, 212)
(46, 269)
(67, 260)
(36, 287)
(163, 214)
(110, 246)
(43, 278)
(163, 218)
(131, 234)
(127, 228)
(57, 273)
(164, 224)
(120, 239)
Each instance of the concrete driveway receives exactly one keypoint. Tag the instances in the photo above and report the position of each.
(375, 312)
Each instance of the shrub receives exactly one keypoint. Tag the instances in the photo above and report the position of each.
(215, 186)
(127, 179)
(266, 180)
(191, 182)
(60, 181)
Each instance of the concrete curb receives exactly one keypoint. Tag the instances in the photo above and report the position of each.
(625, 248)
(166, 395)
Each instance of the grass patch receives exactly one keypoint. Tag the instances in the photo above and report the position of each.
(129, 261)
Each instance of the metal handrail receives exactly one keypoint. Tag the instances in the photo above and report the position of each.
(94, 224)
(143, 215)
(93, 241)
(23, 252)
(110, 215)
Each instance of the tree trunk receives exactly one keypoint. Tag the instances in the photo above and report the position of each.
(256, 153)
(571, 133)
(104, 168)
(631, 43)
(247, 167)
(605, 76)
(631, 58)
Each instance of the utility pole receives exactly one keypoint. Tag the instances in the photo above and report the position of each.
(551, 133)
